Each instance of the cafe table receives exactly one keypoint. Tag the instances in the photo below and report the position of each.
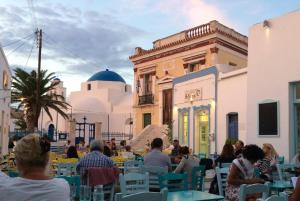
(280, 186)
(192, 195)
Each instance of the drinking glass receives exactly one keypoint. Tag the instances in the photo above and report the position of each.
(72, 192)
(85, 193)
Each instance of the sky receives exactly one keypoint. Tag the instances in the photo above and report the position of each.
(82, 37)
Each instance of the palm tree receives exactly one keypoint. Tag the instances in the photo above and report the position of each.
(24, 89)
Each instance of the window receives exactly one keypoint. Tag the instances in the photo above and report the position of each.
(89, 87)
(194, 67)
(297, 92)
(147, 84)
(268, 118)
(146, 119)
(232, 126)
(232, 64)
(5, 80)
(184, 127)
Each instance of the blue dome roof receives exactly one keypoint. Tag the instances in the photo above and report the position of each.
(106, 75)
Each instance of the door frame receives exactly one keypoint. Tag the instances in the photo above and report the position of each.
(180, 112)
(197, 109)
(171, 105)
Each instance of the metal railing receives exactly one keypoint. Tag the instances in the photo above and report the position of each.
(146, 99)
(117, 135)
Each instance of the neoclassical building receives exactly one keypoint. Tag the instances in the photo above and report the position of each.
(5, 84)
(185, 52)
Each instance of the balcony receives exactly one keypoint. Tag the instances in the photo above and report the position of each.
(146, 99)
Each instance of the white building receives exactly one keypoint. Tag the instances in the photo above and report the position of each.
(258, 104)
(57, 124)
(106, 99)
(209, 107)
(273, 90)
(5, 84)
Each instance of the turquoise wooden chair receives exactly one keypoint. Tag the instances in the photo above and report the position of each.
(221, 174)
(174, 182)
(154, 173)
(198, 174)
(13, 173)
(144, 196)
(282, 197)
(281, 160)
(132, 183)
(72, 180)
(254, 189)
(225, 165)
(133, 166)
(66, 169)
(201, 155)
(285, 171)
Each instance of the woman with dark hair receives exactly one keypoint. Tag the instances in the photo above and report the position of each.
(242, 171)
(187, 163)
(227, 155)
(72, 152)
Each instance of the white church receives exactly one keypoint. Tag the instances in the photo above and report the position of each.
(103, 104)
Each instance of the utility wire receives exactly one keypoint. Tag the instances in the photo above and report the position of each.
(16, 41)
(19, 46)
(30, 52)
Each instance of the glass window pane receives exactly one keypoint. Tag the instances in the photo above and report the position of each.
(298, 92)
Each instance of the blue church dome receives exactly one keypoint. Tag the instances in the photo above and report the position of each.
(106, 75)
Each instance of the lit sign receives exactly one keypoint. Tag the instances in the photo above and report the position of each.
(193, 95)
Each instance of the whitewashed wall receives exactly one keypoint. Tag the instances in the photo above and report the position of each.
(273, 62)
(232, 97)
(4, 102)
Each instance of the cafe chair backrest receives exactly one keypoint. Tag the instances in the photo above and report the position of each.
(134, 183)
(154, 173)
(143, 196)
(222, 174)
(254, 189)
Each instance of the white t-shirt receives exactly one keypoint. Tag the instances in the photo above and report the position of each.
(21, 189)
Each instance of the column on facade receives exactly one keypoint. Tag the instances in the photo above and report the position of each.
(72, 131)
(98, 133)
(214, 55)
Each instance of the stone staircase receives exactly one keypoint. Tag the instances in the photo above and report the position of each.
(140, 141)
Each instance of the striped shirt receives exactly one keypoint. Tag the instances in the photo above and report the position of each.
(93, 159)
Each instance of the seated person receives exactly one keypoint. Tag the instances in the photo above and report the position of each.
(155, 157)
(227, 155)
(175, 152)
(296, 161)
(72, 152)
(128, 153)
(107, 149)
(32, 156)
(242, 172)
(268, 163)
(93, 159)
(187, 163)
(239, 145)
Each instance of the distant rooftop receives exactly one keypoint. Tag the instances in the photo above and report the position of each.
(191, 34)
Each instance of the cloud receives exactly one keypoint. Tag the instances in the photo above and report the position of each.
(80, 41)
(192, 12)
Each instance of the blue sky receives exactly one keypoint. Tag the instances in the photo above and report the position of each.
(86, 36)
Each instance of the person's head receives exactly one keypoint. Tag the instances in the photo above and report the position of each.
(96, 145)
(269, 150)
(227, 151)
(175, 143)
(123, 143)
(69, 142)
(32, 154)
(253, 153)
(239, 145)
(128, 148)
(82, 142)
(72, 152)
(113, 140)
(184, 150)
(157, 143)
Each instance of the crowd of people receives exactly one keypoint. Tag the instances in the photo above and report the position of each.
(32, 159)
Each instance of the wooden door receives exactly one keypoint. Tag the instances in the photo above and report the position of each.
(167, 106)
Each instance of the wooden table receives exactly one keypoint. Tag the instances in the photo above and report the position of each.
(193, 196)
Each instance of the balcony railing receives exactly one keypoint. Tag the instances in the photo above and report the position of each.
(146, 99)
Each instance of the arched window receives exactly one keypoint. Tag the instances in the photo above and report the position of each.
(5, 80)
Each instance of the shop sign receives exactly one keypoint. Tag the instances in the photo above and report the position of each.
(193, 95)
